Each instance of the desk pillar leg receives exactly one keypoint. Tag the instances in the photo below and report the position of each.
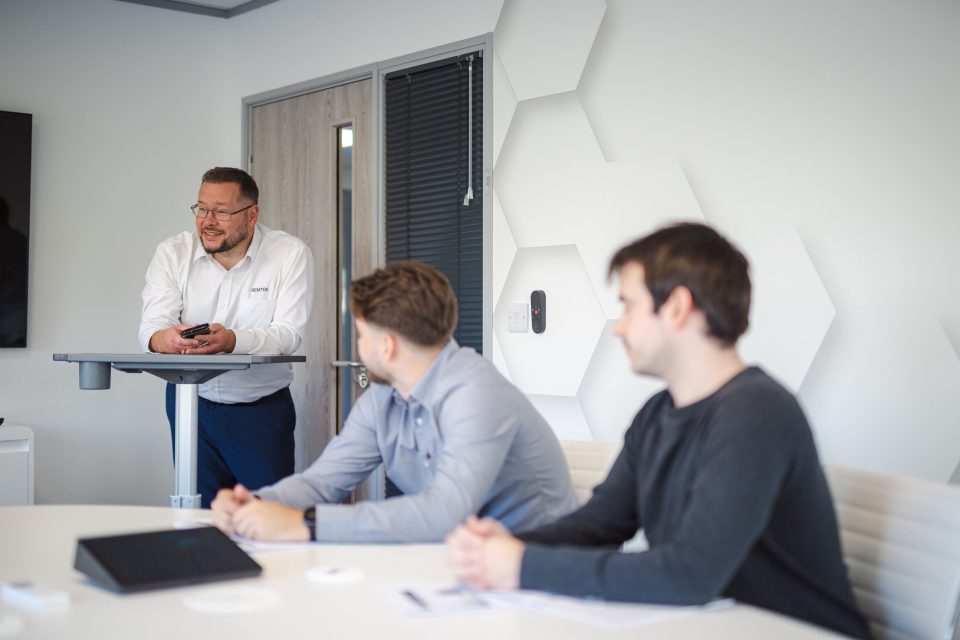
(188, 408)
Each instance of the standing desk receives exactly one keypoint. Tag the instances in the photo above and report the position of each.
(187, 372)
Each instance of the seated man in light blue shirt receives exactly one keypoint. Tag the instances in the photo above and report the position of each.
(451, 432)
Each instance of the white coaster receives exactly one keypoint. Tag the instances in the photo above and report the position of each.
(332, 574)
(10, 625)
(232, 600)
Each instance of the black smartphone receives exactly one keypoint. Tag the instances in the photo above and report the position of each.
(196, 330)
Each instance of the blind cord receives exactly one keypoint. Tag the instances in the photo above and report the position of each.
(469, 196)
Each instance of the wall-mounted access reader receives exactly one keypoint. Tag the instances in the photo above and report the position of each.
(538, 311)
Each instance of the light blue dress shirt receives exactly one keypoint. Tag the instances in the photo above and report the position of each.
(466, 441)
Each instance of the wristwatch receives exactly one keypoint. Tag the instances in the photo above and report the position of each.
(310, 519)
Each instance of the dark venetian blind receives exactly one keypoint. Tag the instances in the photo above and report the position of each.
(427, 143)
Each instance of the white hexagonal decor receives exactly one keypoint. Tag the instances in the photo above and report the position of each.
(908, 424)
(790, 310)
(628, 116)
(553, 362)
(544, 44)
(504, 104)
(548, 166)
(498, 361)
(504, 248)
(563, 415)
(554, 186)
(611, 393)
(633, 199)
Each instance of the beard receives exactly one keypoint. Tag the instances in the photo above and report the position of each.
(227, 241)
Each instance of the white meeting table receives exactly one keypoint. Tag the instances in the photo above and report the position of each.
(37, 543)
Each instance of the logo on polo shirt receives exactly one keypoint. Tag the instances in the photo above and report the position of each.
(259, 289)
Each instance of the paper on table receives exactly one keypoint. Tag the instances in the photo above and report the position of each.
(607, 615)
(434, 600)
(438, 600)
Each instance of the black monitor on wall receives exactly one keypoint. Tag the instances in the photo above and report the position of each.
(15, 142)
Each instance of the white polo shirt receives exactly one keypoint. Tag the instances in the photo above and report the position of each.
(266, 299)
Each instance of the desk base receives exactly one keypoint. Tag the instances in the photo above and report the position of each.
(185, 449)
(185, 502)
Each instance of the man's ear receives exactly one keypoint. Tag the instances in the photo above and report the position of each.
(254, 215)
(679, 306)
(389, 345)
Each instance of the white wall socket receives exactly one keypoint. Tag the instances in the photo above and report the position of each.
(518, 317)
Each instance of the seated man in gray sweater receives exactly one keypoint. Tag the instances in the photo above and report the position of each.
(451, 432)
(720, 469)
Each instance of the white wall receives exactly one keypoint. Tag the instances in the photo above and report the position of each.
(127, 106)
(131, 104)
(822, 137)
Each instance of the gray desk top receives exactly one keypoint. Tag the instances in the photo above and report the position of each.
(148, 359)
(174, 368)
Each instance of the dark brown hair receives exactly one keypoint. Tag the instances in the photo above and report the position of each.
(695, 256)
(410, 298)
(230, 175)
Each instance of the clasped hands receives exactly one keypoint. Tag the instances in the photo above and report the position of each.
(483, 554)
(218, 340)
(238, 512)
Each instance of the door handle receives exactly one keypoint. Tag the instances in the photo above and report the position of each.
(363, 380)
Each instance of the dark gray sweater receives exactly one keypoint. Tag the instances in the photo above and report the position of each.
(733, 501)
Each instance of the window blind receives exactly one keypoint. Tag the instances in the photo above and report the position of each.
(428, 172)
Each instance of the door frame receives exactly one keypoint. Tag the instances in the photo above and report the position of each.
(373, 487)
(377, 71)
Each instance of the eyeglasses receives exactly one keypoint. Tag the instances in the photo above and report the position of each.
(222, 216)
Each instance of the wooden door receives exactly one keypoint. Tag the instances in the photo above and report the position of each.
(298, 160)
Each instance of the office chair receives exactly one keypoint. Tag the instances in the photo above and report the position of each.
(589, 463)
(901, 545)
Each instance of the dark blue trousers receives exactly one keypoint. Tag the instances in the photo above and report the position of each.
(250, 442)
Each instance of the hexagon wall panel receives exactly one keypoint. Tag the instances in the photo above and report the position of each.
(912, 386)
(790, 311)
(777, 155)
(564, 416)
(498, 361)
(504, 104)
(548, 163)
(553, 362)
(544, 44)
(611, 393)
(554, 186)
(504, 248)
(633, 199)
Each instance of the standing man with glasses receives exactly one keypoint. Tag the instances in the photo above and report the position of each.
(254, 287)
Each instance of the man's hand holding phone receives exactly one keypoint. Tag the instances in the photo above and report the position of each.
(195, 330)
(202, 339)
(215, 339)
